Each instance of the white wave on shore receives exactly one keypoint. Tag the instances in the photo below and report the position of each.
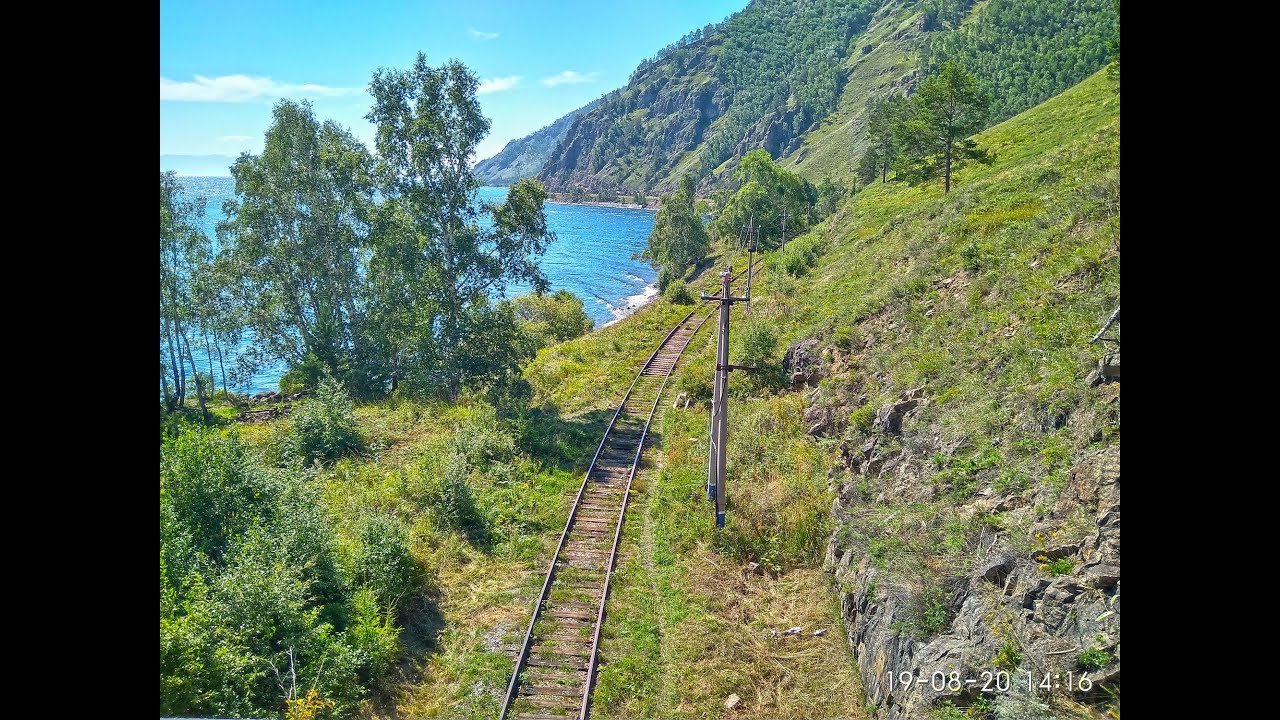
(631, 303)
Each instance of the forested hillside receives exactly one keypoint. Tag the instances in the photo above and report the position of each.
(759, 79)
(795, 77)
(525, 156)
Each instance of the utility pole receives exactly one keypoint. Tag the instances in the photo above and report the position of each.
(784, 228)
(751, 248)
(719, 399)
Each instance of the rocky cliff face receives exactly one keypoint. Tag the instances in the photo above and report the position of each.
(760, 79)
(649, 125)
(1036, 589)
(526, 156)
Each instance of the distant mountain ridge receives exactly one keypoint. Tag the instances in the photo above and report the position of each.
(525, 157)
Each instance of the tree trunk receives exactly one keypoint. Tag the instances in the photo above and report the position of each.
(164, 388)
(221, 367)
(947, 172)
(177, 398)
(884, 173)
(204, 411)
(208, 351)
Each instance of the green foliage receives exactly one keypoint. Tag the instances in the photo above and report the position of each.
(552, 318)
(382, 562)
(766, 195)
(799, 256)
(210, 482)
(885, 118)
(1061, 566)
(678, 239)
(190, 303)
(1027, 51)
(756, 346)
(830, 194)
(325, 426)
(299, 220)
(1095, 658)
(775, 64)
(441, 486)
(678, 292)
(863, 417)
(1009, 656)
(947, 711)
(934, 612)
(250, 592)
(933, 137)
(1113, 46)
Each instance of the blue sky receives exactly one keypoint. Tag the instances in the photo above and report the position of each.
(223, 64)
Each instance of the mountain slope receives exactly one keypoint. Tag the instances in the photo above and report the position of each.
(1022, 51)
(759, 79)
(794, 77)
(524, 157)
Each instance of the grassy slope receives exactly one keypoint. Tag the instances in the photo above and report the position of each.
(1030, 245)
(832, 149)
(1028, 250)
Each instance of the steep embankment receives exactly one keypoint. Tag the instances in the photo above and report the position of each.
(525, 157)
(943, 346)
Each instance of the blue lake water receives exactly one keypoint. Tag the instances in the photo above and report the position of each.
(591, 257)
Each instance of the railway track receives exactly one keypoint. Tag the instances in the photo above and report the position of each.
(555, 670)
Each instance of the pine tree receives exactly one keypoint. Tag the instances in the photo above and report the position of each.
(947, 109)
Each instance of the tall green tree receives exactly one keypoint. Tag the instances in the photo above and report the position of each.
(883, 118)
(769, 198)
(679, 238)
(294, 240)
(185, 259)
(439, 252)
(948, 108)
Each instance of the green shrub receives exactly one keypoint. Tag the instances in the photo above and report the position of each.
(697, 378)
(678, 292)
(383, 563)
(325, 426)
(1061, 566)
(665, 277)
(863, 417)
(551, 318)
(844, 337)
(934, 612)
(213, 488)
(1009, 656)
(441, 486)
(1095, 658)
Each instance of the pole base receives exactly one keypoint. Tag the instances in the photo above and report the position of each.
(719, 520)
(711, 493)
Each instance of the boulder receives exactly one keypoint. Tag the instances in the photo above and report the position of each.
(889, 417)
(803, 363)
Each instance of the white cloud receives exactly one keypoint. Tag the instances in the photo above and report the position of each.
(570, 77)
(235, 138)
(493, 85)
(241, 88)
(482, 35)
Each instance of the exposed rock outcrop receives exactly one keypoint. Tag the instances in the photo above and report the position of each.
(1021, 609)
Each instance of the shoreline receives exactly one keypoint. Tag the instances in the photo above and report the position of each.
(637, 301)
(559, 199)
